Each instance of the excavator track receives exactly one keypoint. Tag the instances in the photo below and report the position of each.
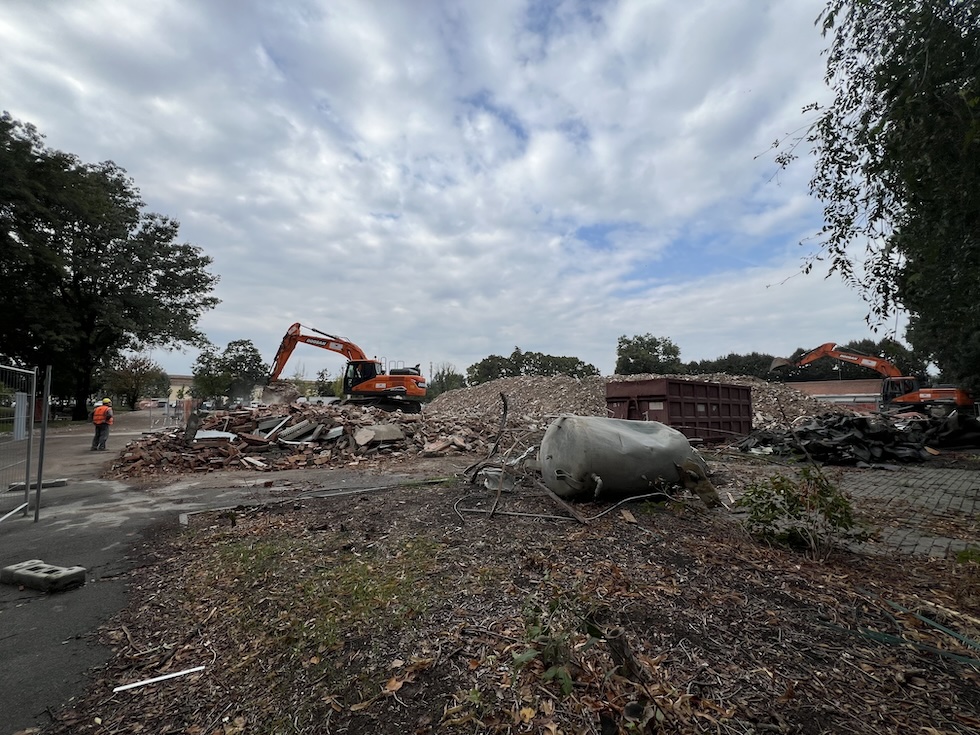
(386, 404)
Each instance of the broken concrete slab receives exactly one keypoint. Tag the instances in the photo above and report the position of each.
(378, 433)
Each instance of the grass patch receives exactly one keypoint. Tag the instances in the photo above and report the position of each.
(969, 554)
(313, 610)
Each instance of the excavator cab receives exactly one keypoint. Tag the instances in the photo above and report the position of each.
(357, 372)
(892, 388)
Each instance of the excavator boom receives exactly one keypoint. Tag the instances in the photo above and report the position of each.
(294, 335)
(829, 349)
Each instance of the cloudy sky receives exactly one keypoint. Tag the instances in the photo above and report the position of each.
(440, 181)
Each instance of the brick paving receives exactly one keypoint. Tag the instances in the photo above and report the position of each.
(918, 510)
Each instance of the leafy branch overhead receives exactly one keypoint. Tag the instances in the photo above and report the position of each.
(898, 168)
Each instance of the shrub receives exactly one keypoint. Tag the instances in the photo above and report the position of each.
(808, 512)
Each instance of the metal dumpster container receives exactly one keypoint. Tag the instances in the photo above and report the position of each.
(712, 412)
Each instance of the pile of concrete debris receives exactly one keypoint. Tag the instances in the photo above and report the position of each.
(291, 436)
(840, 440)
(294, 436)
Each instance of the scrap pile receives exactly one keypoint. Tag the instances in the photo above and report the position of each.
(292, 436)
(863, 440)
(840, 440)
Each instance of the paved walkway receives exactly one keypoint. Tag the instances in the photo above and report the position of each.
(919, 510)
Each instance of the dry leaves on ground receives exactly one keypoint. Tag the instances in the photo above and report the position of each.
(414, 610)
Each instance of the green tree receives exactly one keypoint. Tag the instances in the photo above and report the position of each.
(755, 363)
(645, 353)
(211, 382)
(491, 368)
(242, 361)
(526, 363)
(324, 385)
(537, 363)
(135, 377)
(444, 379)
(95, 275)
(898, 167)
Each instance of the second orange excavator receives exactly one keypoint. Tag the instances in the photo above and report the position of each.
(898, 392)
(365, 381)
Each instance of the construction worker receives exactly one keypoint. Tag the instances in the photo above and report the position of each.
(102, 418)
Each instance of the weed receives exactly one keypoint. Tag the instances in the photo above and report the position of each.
(555, 635)
(969, 554)
(808, 512)
(317, 609)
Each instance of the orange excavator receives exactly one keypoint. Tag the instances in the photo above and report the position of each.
(365, 380)
(898, 392)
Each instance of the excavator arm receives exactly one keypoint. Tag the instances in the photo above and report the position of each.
(829, 349)
(294, 336)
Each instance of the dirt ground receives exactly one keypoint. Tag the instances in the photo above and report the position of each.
(423, 602)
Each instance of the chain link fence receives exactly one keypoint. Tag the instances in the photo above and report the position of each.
(18, 403)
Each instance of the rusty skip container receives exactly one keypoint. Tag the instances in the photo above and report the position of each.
(712, 412)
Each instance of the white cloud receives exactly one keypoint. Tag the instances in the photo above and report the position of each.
(440, 182)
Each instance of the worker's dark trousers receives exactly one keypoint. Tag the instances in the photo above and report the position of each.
(101, 435)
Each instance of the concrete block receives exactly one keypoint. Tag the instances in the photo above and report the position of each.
(40, 576)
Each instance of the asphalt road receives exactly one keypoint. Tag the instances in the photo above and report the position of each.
(47, 641)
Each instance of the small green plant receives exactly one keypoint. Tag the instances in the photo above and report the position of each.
(550, 644)
(808, 512)
(558, 635)
(969, 554)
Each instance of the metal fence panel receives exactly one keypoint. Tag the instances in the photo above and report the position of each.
(18, 398)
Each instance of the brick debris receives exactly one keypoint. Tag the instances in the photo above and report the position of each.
(467, 420)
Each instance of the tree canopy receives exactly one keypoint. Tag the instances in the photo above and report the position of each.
(754, 363)
(898, 167)
(233, 374)
(445, 378)
(645, 353)
(135, 377)
(95, 275)
(526, 363)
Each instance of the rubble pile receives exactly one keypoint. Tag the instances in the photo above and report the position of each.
(530, 399)
(292, 436)
(841, 440)
(534, 398)
(295, 436)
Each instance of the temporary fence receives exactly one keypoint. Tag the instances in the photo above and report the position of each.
(18, 410)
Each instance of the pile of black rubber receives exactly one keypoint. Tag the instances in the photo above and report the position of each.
(863, 440)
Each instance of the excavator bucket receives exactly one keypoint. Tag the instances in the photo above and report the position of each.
(779, 362)
(279, 391)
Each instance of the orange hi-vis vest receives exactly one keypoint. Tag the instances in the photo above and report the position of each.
(99, 416)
